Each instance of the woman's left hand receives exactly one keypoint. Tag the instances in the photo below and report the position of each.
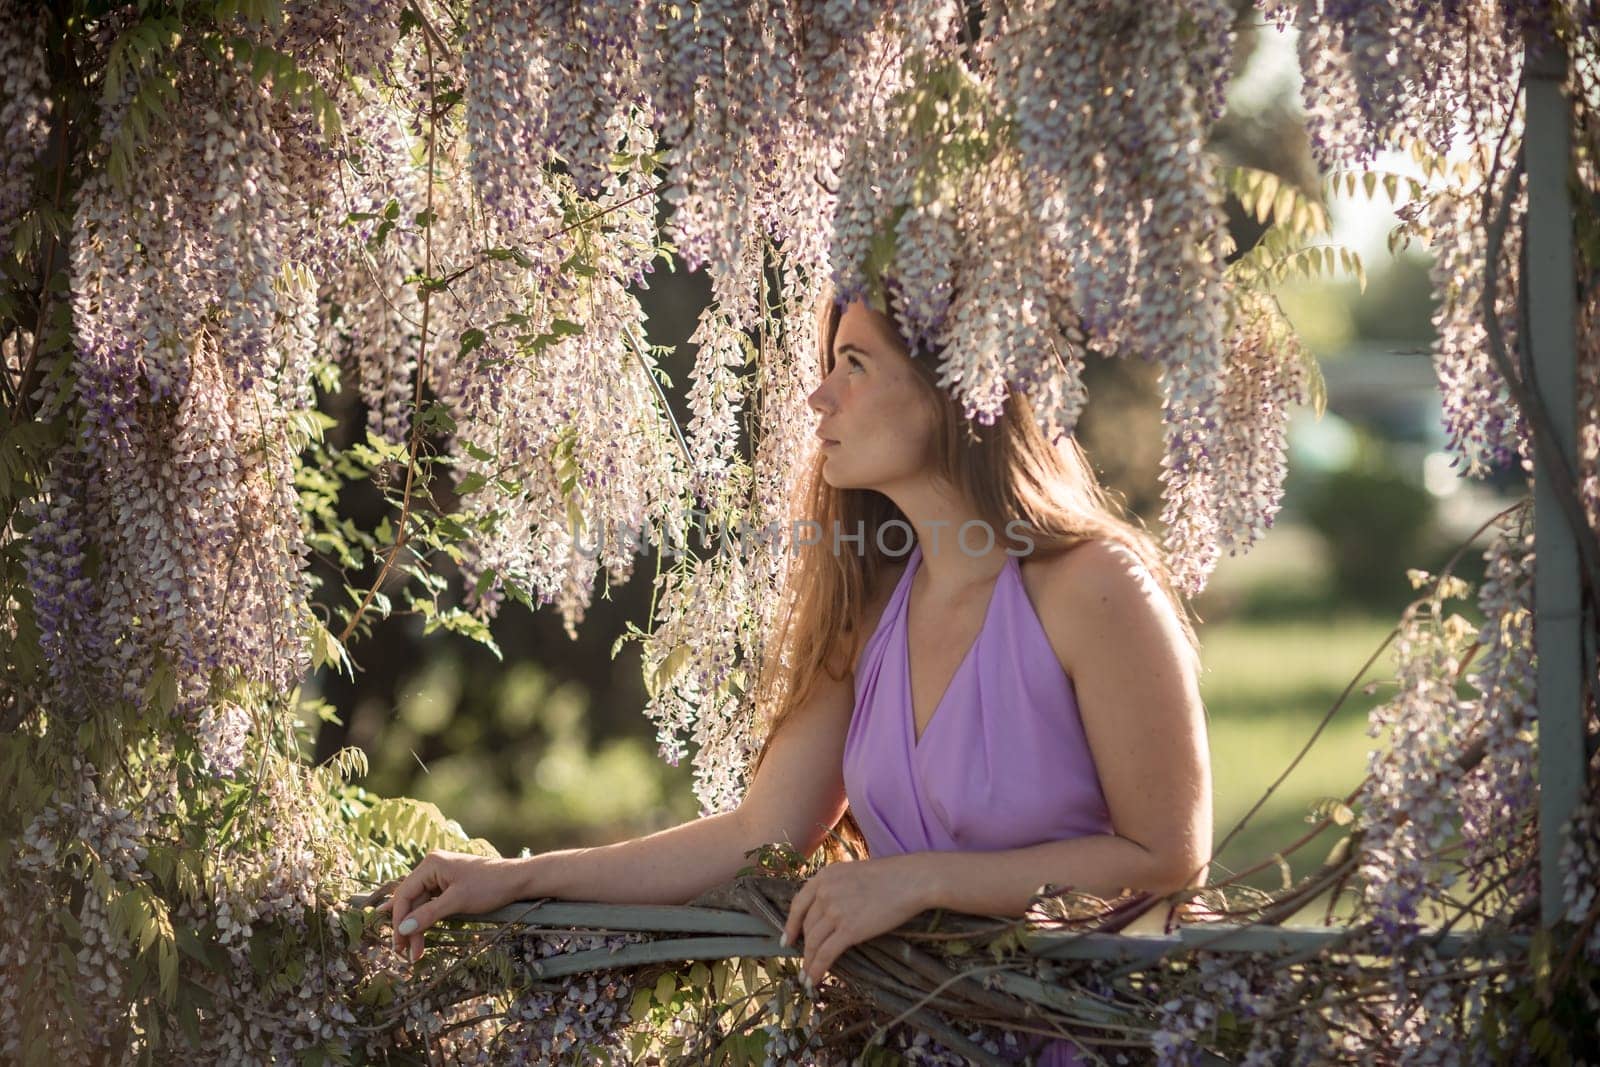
(849, 902)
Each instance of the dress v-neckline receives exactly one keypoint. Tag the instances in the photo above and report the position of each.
(905, 651)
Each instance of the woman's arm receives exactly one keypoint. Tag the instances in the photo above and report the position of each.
(1002, 883)
(671, 866)
(796, 797)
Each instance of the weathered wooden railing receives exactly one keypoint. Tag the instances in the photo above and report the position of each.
(1021, 975)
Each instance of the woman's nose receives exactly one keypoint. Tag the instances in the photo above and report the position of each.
(819, 401)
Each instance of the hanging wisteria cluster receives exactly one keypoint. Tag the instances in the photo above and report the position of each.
(24, 116)
(217, 214)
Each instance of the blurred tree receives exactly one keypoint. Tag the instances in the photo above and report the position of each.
(1377, 523)
(1399, 303)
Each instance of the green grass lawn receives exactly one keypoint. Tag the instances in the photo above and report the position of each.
(1266, 685)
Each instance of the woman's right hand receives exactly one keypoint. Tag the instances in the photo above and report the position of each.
(450, 883)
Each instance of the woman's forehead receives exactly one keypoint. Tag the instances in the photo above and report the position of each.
(862, 327)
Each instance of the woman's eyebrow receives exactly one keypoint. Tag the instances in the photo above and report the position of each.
(842, 349)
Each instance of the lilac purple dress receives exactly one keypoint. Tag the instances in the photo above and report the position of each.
(1003, 763)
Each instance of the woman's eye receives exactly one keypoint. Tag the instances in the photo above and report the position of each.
(854, 362)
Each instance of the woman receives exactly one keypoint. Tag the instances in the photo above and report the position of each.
(1022, 683)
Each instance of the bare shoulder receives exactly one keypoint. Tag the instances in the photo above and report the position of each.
(1100, 595)
(1102, 568)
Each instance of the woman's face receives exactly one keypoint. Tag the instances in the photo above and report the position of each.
(872, 406)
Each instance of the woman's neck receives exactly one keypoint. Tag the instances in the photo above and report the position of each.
(961, 552)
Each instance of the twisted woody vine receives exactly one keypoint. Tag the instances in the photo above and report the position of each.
(217, 214)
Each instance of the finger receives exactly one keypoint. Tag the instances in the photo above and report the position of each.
(421, 881)
(827, 953)
(797, 916)
(398, 914)
(446, 904)
(817, 921)
(405, 894)
(817, 933)
(425, 915)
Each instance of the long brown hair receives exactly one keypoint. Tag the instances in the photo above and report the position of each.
(1011, 474)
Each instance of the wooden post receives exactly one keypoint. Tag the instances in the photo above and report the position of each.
(1552, 344)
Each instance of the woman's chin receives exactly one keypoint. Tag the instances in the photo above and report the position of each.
(832, 475)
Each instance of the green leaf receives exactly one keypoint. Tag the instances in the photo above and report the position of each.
(639, 1007)
(485, 580)
(149, 927)
(1266, 192)
(161, 693)
(261, 62)
(437, 416)
(880, 257)
(1539, 962)
(190, 944)
(1283, 205)
(1300, 218)
(668, 669)
(189, 1021)
(113, 76)
(749, 974)
(327, 650)
(1334, 809)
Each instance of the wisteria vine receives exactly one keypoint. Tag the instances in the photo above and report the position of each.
(218, 214)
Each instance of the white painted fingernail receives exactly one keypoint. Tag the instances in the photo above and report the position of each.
(783, 939)
(409, 926)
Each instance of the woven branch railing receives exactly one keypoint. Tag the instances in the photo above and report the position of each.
(969, 983)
